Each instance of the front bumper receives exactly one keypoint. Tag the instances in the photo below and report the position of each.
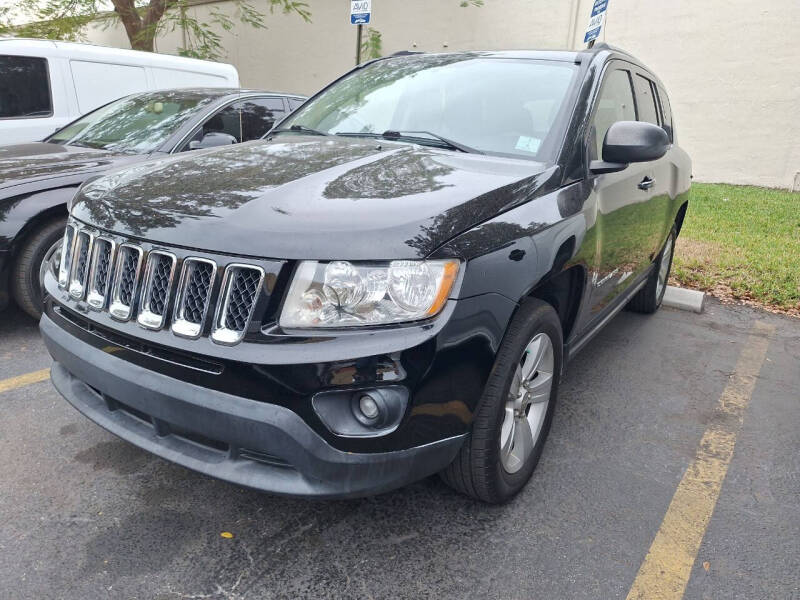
(240, 440)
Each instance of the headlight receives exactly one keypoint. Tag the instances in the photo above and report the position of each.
(345, 294)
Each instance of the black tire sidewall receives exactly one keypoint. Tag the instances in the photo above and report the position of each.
(25, 285)
(673, 237)
(534, 318)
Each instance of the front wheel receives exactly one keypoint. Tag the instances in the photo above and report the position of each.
(25, 282)
(513, 419)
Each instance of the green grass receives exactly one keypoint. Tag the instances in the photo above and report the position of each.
(742, 242)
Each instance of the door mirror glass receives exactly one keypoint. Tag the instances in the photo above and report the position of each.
(212, 140)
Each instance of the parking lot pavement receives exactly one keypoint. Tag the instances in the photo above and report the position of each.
(84, 515)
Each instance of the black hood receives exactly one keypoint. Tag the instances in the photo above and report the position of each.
(309, 197)
(42, 162)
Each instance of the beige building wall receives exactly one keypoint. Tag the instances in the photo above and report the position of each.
(731, 67)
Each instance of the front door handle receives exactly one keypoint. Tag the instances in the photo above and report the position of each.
(647, 183)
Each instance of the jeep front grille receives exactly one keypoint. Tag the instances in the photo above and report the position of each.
(136, 282)
(126, 277)
(155, 289)
(194, 295)
(238, 299)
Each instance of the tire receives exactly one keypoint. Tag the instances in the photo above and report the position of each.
(25, 285)
(648, 299)
(482, 469)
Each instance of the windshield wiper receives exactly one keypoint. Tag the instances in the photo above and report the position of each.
(300, 129)
(415, 135)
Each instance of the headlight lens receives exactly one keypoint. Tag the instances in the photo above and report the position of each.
(345, 294)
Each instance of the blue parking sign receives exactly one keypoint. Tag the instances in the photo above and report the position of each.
(360, 12)
(596, 21)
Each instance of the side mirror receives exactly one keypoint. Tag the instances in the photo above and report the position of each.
(630, 142)
(213, 139)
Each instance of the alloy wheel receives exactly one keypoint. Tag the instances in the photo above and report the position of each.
(526, 406)
(663, 268)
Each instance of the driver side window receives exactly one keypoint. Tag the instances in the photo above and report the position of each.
(226, 121)
(614, 104)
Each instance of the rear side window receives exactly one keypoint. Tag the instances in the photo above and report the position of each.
(259, 115)
(645, 100)
(24, 87)
(614, 104)
(666, 113)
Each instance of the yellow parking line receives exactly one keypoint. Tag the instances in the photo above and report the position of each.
(23, 380)
(668, 565)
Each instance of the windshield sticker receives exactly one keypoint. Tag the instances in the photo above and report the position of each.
(528, 144)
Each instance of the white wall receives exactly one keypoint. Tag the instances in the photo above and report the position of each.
(732, 67)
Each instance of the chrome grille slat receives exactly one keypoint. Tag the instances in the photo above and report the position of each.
(80, 264)
(67, 250)
(194, 295)
(240, 289)
(126, 278)
(156, 288)
(100, 272)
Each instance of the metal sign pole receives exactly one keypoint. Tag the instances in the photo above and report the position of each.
(359, 28)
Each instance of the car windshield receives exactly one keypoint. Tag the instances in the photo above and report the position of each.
(505, 106)
(136, 124)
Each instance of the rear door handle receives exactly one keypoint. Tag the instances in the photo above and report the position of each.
(647, 183)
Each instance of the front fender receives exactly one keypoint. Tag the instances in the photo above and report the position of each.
(20, 214)
(511, 253)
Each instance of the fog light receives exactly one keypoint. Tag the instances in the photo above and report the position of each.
(368, 406)
(362, 413)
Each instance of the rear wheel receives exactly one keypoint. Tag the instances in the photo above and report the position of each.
(514, 416)
(25, 284)
(649, 298)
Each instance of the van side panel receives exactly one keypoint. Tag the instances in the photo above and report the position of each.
(175, 78)
(98, 83)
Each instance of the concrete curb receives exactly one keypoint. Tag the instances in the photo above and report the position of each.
(684, 299)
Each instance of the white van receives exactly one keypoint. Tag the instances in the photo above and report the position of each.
(45, 84)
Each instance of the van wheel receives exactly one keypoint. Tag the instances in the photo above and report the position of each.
(648, 299)
(25, 275)
(513, 419)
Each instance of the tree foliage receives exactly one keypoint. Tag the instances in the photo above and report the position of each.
(143, 20)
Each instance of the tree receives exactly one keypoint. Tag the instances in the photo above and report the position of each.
(143, 20)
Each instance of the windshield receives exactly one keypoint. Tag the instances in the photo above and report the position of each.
(492, 105)
(137, 124)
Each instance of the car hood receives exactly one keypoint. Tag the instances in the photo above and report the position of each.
(40, 161)
(309, 197)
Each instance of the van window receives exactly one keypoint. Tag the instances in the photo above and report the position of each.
(645, 100)
(100, 83)
(173, 78)
(615, 104)
(25, 90)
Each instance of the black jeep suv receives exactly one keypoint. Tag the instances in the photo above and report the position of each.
(387, 286)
